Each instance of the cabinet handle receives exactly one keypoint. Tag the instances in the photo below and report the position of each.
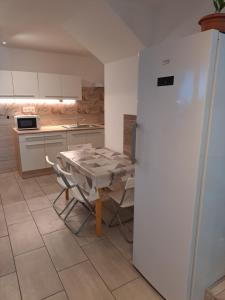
(37, 138)
(34, 144)
(54, 142)
(54, 137)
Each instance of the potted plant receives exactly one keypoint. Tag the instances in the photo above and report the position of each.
(215, 20)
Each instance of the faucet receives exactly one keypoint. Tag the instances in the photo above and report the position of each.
(79, 122)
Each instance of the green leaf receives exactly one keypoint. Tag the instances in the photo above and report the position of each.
(221, 4)
(216, 5)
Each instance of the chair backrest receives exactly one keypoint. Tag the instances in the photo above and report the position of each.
(80, 147)
(51, 163)
(129, 183)
(86, 191)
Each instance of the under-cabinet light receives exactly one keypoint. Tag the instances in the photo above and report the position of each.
(48, 101)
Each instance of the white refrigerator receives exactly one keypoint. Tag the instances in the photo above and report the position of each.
(179, 214)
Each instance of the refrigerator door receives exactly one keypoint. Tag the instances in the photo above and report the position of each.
(175, 84)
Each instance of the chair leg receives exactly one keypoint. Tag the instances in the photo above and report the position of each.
(122, 230)
(57, 198)
(114, 217)
(71, 208)
(80, 227)
(91, 212)
(65, 208)
(122, 226)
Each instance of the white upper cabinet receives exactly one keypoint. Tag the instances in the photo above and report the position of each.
(71, 86)
(6, 83)
(50, 85)
(25, 84)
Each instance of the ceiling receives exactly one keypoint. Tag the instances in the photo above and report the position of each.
(38, 25)
(108, 29)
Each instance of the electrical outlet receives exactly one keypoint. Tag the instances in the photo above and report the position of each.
(29, 109)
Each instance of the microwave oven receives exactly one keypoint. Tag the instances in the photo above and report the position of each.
(25, 122)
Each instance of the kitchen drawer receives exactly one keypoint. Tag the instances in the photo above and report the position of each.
(31, 138)
(55, 136)
(94, 137)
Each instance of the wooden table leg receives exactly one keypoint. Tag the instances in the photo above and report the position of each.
(67, 195)
(98, 212)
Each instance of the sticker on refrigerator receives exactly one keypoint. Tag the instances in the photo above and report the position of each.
(165, 81)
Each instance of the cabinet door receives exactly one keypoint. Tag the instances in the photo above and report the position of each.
(96, 138)
(50, 85)
(25, 84)
(55, 143)
(75, 138)
(6, 83)
(32, 152)
(71, 87)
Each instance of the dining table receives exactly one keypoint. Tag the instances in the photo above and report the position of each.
(99, 167)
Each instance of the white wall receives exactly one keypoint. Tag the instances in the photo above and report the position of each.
(120, 98)
(88, 67)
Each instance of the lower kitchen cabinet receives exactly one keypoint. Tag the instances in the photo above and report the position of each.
(32, 148)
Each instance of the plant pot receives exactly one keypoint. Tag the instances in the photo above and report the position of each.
(213, 21)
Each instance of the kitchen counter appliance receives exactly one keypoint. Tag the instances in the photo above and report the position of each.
(27, 122)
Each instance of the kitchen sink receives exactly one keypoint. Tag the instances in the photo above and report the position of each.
(71, 126)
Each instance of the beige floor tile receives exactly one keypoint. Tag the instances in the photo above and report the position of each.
(10, 191)
(45, 180)
(136, 290)
(52, 196)
(9, 288)
(6, 258)
(83, 282)
(47, 220)
(37, 276)
(63, 249)
(50, 189)
(3, 227)
(29, 187)
(17, 213)
(38, 202)
(58, 296)
(110, 264)
(25, 237)
(7, 175)
(116, 238)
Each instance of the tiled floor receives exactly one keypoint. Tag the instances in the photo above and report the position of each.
(41, 259)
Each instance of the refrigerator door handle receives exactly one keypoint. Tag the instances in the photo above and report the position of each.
(133, 142)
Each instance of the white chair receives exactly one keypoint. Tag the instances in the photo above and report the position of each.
(60, 182)
(80, 147)
(80, 195)
(123, 198)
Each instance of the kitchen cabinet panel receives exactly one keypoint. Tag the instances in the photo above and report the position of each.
(75, 138)
(96, 138)
(6, 83)
(71, 86)
(32, 155)
(25, 84)
(55, 143)
(50, 85)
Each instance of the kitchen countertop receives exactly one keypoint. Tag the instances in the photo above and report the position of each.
(58, 128)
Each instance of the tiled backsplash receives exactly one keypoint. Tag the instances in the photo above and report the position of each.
(89, 110)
